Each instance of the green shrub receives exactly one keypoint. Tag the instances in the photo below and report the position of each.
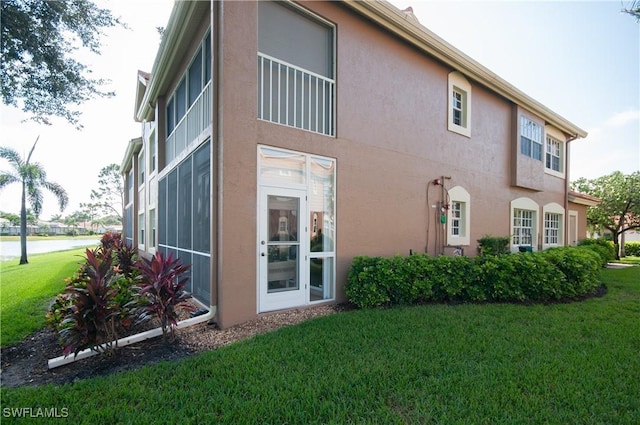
(608, 249)
(580, 267)
(364, 287)
(418, 269)
(522, 277)
(451, 278)
(493, 245)
(602, 253)
(632, 249)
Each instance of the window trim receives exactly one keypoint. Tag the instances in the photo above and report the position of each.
(141, 230)
(525, 204)
(142, 168)
(553, 208)
(457, 83)
(459, 194)
(556, 136)
(521, 136)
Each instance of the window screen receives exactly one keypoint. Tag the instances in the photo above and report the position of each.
(291, 36)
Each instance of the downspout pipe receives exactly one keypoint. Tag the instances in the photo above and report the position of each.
(220, 156)
(566, 190)
(132, 339)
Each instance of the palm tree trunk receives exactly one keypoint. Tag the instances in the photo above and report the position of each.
(23, 226)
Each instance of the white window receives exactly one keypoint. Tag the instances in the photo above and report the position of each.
(141, 168)
(530, 138)
(551, 228)
(459, 105)
(523, 227)
(456, 218)
(553, 155)
(152, 152)
(553, 214)
(459, 217)
(141, 231)
(524, 223)
(152, 231)
(554, 152)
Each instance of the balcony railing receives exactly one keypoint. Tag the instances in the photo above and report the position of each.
(195, 121)
(292, 96)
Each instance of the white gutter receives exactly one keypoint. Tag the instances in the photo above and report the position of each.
(128, 340)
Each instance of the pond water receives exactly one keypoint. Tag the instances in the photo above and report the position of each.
(11, 249)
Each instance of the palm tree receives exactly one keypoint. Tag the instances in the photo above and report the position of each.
(33, 179)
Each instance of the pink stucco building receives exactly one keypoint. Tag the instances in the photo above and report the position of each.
(281, 139)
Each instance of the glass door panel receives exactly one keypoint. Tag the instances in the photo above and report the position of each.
(283, 244)
(282, 281)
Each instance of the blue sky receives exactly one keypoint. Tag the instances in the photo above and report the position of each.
(580, 59)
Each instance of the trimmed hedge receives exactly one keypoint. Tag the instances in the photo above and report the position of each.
(493, 245)
(554, 274)
(604, 248)
(632, 249)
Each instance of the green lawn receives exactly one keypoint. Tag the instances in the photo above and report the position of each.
(572, 363)
(26, 291)
(630, 260)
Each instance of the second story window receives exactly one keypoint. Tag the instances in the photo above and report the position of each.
(141, 168)
(530, 138)
(152, 152)
(553, 155)
(459, 104)
(457, 107)
(295, 68)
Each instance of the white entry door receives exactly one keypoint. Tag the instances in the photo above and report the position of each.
(282, 248)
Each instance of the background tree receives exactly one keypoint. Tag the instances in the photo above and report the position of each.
(14, 219)
(56, 218)
(619, 208)
(33, 179)
(77, 217)
(633, 9)
(37, 42)
(91, 213)
(109, 197)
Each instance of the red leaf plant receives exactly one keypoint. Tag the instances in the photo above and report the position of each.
(163, 286)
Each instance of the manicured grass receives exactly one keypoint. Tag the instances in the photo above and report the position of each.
(630, 260)
(26, 291)
(572, 363)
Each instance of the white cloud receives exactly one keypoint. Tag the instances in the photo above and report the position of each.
(623, 118)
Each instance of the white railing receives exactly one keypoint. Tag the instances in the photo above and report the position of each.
(194, 122)
(293, 96)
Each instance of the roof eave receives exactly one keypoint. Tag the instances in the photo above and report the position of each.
(175, 34)
(133, 147)
(582, 199)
